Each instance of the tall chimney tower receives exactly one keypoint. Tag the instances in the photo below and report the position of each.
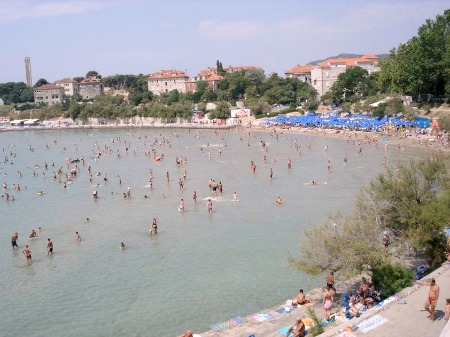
(28, 71)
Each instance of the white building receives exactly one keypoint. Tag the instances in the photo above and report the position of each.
(49, 94)
(325, 74)
(70, 86)
(164, 81)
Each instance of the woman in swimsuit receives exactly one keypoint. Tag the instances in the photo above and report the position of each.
(327, 303)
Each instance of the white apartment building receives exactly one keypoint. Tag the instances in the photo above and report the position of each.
(70, 86)
(325, 74)
(164, 81)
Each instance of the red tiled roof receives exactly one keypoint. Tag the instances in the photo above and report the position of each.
(214, 77)
(66, 80)
(369, 56)
(208, 71)
(48, 87)
(163, 74)
(349, 62)
(92, 79)
(300, 69)
(233, 69)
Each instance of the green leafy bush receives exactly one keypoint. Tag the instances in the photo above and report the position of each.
(392, 278)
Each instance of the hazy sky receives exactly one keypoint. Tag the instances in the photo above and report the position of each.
(67, 38)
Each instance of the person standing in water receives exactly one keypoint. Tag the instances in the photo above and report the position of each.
(27, 252)
(209, 206)
(194, 197)
(181, 208)
(49, 247)
(15, 240)
(154, 228)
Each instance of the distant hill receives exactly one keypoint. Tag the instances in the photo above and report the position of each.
(381, 57)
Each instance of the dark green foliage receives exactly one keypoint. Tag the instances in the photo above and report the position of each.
(93, 73)
(351, 85)
(16, 92)
(392, 278)
(421, 66)
(40, 82)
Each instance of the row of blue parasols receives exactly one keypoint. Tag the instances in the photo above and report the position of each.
(355, 121)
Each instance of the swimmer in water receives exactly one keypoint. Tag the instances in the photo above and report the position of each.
(279, 201)
(235, 197)
(27, 252)
(181, 208)
(122, 246)
(154, 227)
(77, 236)
(209, 206)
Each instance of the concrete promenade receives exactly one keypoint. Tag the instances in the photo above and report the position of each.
(406, 320)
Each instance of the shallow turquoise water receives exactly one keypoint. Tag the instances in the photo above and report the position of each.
(201, 268)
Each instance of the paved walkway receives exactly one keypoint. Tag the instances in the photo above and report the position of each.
(406, 320)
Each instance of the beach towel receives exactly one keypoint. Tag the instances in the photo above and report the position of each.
(285, 309)
(262, 317)
(228, 324)
(386, 302)
(371, 323)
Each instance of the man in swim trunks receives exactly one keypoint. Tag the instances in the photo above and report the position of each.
(433, 296)
(300, 299)
(330, 281)
(27, 252)
(14, 240)
(49, 247)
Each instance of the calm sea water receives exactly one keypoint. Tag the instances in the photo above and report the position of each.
(201, 268)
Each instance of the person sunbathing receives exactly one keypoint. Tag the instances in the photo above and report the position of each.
(298, 329)
(300, 299)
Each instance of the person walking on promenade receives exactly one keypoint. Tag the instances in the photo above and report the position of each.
(433, 296)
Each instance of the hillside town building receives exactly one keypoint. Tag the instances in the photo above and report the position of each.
(303, 73)
(165, 81)
(70, 86)
(91, 87)
(49, 94)
(208, 75)
(322, 76)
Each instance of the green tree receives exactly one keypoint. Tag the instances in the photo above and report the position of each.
(219, 68)
(344, 244)
(420, 66)
(93, 73)
(222, 111)
(412, 201)
(351, 85)
(392, 278)
(40, 82)
(78, 79)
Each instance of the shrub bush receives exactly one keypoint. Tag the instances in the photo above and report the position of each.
(392, 278)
